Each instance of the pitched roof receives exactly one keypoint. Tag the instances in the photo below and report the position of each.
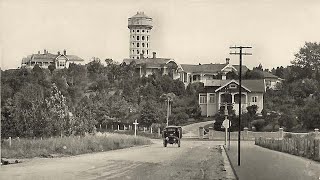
(269, 75)
(149, 62)
(48, 57)
(140, 15)
(256, 85)
(209, 68)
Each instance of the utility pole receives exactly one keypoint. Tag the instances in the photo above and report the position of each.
(240, 73)
(168, 111)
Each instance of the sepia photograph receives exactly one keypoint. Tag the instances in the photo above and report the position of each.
(160, 90)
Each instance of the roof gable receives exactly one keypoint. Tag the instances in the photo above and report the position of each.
(232, 82)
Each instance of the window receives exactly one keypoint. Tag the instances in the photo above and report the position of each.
(147, 31)
(212, 98)
(254, 99)
(62, 63)
(137, 51)
(147, 45)
(202, 99)
(142, 38)
(138, 30)
(132, 30)
(133, 37)
(232, 86)
(147, 51)
(142, 44)
(142, 30)
(147, 38)
(142, 51)
(138, 38)
(133, 44)
(138, 44)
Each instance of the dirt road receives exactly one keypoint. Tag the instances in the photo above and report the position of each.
(193, 160)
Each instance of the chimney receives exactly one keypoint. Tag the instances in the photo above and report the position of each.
(44, 51)
(154, 55)
(141, 56)
(58, 52)
(64, 52)
(227, 60)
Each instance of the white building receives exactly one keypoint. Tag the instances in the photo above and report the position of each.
(60, 60)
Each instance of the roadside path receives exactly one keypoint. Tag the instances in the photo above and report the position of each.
(259, 163)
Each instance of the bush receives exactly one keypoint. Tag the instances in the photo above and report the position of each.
(258, 124)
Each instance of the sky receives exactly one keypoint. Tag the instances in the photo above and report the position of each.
(189, 31)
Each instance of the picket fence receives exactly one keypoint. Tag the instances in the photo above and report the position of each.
(308, 147)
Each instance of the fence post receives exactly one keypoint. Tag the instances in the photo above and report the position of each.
(211, 133)
(159, 132)
(201, 132)
(245, 134)
(10, 142)
(280, 133)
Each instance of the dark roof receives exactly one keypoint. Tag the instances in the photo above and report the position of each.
(269, 75)
(244, 68)
(48, 57)
(149, 62)
(256, 85)
(140, 15)
(209, 68)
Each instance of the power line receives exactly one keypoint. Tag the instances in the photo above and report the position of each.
(240, 86)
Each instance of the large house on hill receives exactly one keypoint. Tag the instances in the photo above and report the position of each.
(205, 73)
(148, 66)
(60, 60)
(218, 92)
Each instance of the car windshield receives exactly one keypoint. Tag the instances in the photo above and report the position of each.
(171, 129)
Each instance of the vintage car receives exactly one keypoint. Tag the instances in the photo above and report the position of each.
(172, 135)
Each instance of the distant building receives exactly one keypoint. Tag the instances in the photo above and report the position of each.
(60, 60)
(140, 27)
(271, 81)
(205, 73)
(154, 65)
(219, 92)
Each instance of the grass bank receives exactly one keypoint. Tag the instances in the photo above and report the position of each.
(28, 148)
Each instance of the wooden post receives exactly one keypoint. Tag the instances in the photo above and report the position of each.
(151, 129)
(10, 142)
(201, 132)
(280, 133)
(159, 132)
(135, 127)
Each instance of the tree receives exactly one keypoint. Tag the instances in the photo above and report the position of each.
(57, 111)
(51, 68)
(308, 59)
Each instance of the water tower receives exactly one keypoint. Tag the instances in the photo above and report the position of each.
(140, 27)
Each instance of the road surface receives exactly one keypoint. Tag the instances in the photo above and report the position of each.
(264, 164)
(192, 130)
(193, 160)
